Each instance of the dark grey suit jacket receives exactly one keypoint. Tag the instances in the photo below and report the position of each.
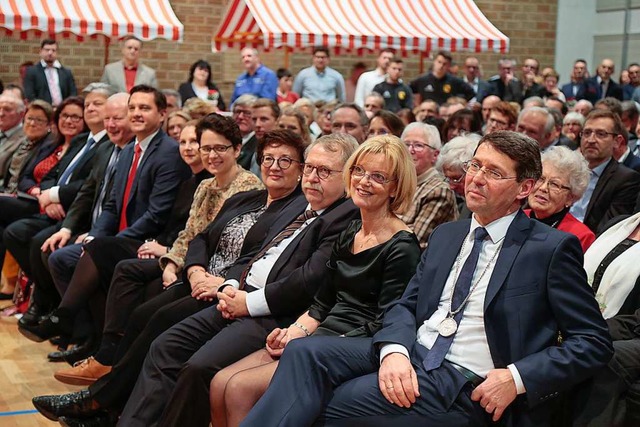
(36, 86)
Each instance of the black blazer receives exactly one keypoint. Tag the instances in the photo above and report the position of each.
(247, 152)
(204, 245)
(615, 194)
(299, 271)
(593, 90)
(78, 218)
(81, 171)
(158, 177)
(632, 162)
(186, 92)
(36, 86)
(41, 152)
(581, 93)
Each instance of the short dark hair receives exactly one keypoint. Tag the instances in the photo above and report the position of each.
(364, 120)
(520, 148)
(618, 126)
(445, 54)
(580, 60)
(324, 49)
(633, 64)
(281, 137)
(391, 120)
(200, 63)
(396, 60)
(158, 97)
(223, 126)
(283, 72)
(460, 116)
(269, 103)
(46, 42)
(72, 100)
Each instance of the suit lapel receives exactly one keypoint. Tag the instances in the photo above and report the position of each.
(121, 80)
(447, 254)
(607, 173)
(153, 146)
(516, 235)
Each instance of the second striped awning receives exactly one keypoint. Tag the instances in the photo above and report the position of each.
(405, 25)
(146, 19)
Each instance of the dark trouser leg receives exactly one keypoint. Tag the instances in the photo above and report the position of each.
(62, 264)
(166, 357)
(44, 291)
(127, 291)
(147, 323)
(335, 380)
(189, 400)
(18, 238)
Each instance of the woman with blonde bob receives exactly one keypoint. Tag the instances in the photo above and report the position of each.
(371, 264)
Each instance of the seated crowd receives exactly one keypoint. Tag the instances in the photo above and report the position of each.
(451, 251)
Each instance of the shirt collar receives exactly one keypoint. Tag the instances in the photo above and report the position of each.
(427, 175)
(496, 229)
(10, 132)
(600, 168)
(247, 137)
(319, 211)
(145, 142)
(98, 136)
(56, 64)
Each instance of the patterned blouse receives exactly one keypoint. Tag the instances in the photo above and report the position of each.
(231, 241)
(206, 203)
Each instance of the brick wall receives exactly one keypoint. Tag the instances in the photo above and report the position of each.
(530, 26)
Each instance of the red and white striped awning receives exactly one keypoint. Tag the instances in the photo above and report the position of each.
(146, 19)
(405, 25)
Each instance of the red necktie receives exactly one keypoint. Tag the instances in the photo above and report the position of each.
(127, 190)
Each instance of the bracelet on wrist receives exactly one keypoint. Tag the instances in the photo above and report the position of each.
(302, 327)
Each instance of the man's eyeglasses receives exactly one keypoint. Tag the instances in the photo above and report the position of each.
(599, 134)
(377, 177)
(322, 171)
(450, 180)
(219, 149)
(283, 163)
(473, 168)
(247, 113)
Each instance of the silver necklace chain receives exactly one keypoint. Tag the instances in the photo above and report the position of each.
(452, 313)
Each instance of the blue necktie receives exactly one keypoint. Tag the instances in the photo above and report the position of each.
(108, 176)
(66, 175)
(463, 285)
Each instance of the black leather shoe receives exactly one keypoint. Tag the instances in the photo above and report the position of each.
(78, 404)
(100, 420)
(58, 323)
(34, 314)
(80, 352)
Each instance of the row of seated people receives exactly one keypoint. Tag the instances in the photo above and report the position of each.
(91, 267)
(177, 357)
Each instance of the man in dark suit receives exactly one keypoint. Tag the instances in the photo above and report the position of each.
(613, 188)
(263, 290)
(505, 85)
(59, 189)
(575, 90)
(148, 175)
(472, 72)
(465, 343)
(602, 85)
(48, 79)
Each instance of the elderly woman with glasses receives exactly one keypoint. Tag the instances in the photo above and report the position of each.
(371, 264)
(433, 203)
(565, 176)
(450, 163)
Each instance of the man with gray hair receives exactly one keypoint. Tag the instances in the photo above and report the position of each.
(537, 123)
(257, 80)
(584, 107)
(174, 100)
(434, 202)
(11, 134)
(505, 85)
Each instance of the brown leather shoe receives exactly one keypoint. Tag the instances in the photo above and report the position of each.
(85, 372)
